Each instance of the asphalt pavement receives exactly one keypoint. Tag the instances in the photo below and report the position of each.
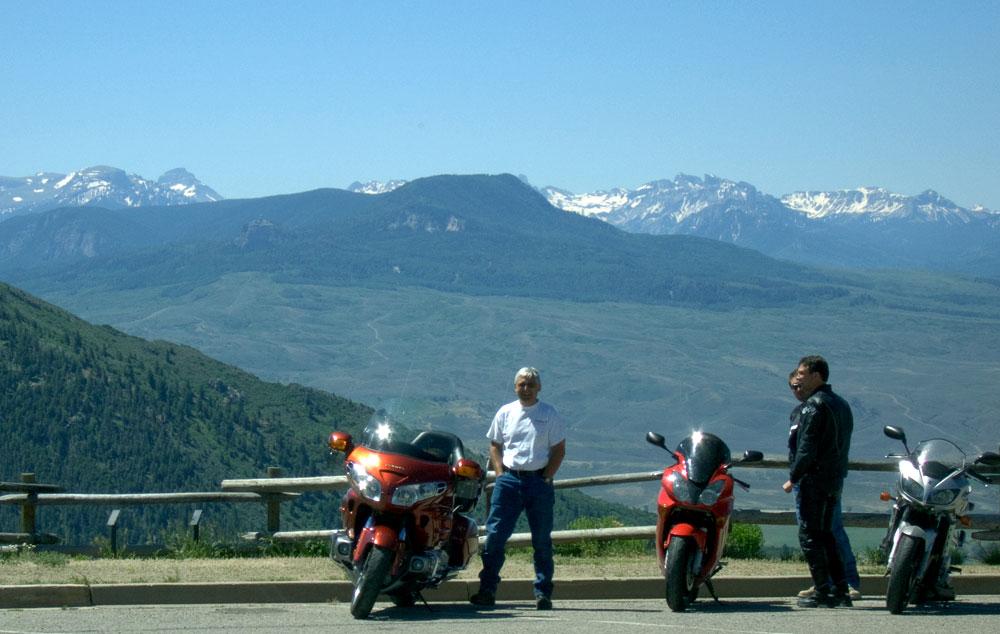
(752, 616)
(89, 595)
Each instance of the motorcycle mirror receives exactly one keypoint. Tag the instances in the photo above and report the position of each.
(751, 455)
(654, 438)
(340, 441)
(989, 459)
(895, 433)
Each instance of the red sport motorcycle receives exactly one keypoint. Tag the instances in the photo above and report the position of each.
(695, 504)
(405, 522)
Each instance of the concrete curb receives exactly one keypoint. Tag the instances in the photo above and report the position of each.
(54, 596)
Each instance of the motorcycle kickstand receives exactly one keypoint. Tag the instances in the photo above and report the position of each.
(708, 582)
(420, 595)
(711, 589)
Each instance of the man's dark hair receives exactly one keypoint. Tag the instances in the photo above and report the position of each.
(816, 363)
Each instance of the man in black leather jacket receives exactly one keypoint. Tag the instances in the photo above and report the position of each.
(818, 465)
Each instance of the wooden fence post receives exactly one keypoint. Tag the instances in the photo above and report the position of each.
(113, 525)
(273, 504)
(29, 506)
(195, 521)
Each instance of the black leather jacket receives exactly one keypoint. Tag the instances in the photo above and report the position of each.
(822, 441)
(793, 431)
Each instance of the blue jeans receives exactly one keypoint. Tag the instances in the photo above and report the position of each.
(511, 495)
(843, 543)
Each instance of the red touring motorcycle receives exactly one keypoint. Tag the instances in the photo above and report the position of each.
(405, 522)
(695, 503)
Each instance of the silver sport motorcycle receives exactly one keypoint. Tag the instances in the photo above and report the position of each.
(932, 497)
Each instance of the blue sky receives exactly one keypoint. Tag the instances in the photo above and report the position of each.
(263, 98)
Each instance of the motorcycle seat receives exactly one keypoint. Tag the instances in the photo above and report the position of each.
(442, 446)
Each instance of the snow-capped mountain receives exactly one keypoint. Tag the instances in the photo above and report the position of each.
(596, 205)
(99, 186)
(877, 204)
(865, 227)
(375, 187)
(657, 206)
(708, 207)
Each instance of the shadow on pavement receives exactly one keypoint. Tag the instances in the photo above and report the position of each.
(963, 607)
(507, 610)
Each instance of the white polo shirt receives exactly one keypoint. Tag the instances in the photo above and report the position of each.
(526, 434)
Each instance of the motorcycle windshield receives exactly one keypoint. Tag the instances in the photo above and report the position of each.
(703, 453)
(938, 458)
(385, 433)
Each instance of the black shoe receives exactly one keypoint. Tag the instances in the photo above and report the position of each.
(543, 603)
(483, 599)
(823, 600)
(811, 602)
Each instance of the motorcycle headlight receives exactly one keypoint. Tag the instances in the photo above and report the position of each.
(367, 484)
(912, 488)
(410, 494)
(684, 490)
(946, 496)
(712, 492)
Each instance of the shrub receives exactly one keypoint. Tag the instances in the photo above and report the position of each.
(872, 556)
(746, 541)
(957, 557)
(28, 553)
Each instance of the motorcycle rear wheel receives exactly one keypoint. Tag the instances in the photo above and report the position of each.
(901, 575)
(681, 588)
(366, 588)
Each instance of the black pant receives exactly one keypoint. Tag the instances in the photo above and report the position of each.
(819, 546)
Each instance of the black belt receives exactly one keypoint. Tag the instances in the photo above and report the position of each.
(520, 473)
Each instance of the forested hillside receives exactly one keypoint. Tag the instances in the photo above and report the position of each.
(94, 410)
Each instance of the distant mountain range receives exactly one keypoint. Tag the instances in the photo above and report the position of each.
(867, 227)
(464, 234)
(99, 186)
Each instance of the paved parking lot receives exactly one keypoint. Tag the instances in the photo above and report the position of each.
(974, 614)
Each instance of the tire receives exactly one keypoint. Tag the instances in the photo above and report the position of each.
(681, 590)
(366, 588)
(904, 566)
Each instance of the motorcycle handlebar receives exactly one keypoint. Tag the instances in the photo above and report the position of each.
(985, 479)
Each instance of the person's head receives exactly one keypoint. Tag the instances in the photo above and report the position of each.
(812, 372)
(795, 386)
(527, 384)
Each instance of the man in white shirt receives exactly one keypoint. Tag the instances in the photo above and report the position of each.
(527, 445)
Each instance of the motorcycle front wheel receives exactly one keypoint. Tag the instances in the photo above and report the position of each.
(681, 589)
(901, 575)
(366, 588)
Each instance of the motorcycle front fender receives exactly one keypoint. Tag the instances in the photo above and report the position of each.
(687, 530)
(921, 534)
(914, 531)
(376, 535)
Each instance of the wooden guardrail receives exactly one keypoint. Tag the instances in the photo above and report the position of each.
(274, 489)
